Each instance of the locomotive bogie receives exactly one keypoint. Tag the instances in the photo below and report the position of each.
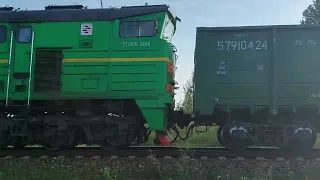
(66, 129)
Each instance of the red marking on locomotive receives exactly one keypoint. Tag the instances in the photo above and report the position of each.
(164, 140)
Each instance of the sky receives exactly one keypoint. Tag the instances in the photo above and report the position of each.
(209, 13)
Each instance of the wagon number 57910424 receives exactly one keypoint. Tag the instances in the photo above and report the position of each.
(242, 45)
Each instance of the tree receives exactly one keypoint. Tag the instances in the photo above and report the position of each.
(186, 105)
(312, 14)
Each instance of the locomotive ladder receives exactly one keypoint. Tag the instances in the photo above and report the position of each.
(9, 68)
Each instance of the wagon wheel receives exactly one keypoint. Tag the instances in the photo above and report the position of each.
(305, 136)
(234, 137)
(219, 134)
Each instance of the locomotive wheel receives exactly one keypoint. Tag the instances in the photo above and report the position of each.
(49, 147)
(3, 139)
(305, 137)
(17, 144)
(66, 140)
(234, 137)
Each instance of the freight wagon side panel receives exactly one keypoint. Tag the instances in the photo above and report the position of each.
(232, 68)
(298, 51)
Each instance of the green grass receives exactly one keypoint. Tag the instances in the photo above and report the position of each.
(317, 144)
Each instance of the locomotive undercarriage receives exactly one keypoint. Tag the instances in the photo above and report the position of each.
(108, 124)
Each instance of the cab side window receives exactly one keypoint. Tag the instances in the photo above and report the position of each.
(147, 28)
(129, 29)
(24, 34)
(137, 28)
(3, 34)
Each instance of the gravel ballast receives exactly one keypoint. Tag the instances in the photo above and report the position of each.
(160, 167)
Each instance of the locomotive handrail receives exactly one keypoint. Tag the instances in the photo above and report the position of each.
(9, 68)
(30, 68)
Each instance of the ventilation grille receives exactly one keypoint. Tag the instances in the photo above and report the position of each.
(47, 73)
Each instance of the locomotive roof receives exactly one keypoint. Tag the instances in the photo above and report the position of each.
(72, 15)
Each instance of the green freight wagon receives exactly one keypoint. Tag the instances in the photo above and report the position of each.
(260, 84)
(71, 75)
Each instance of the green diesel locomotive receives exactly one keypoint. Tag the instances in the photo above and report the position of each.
(71, 75)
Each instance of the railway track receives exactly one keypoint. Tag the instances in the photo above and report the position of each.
(159, 152)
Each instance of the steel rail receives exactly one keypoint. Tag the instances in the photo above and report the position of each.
(167, 152)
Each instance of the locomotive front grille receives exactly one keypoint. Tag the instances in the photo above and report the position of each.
(47, 72)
